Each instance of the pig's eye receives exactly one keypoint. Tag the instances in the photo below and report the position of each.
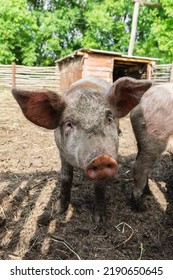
(110, 119)
(69, 125)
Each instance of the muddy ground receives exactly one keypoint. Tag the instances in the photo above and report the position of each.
(29, 185)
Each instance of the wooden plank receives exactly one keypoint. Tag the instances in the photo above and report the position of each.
(96, 60)
(148, 74)
(129, 59)
(98, 68)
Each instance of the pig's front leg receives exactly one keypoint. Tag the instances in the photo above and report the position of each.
(66, 184)
(100, 206)
(149, 151)
(141, 171)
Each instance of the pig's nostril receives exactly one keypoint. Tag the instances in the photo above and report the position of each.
(94, 168)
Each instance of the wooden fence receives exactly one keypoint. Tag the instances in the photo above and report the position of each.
(162, 73)
(30, 77)
(49, 77)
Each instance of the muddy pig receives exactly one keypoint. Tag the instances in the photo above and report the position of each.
(152, 122)
(85, 119)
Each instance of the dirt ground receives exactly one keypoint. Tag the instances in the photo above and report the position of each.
(29, 185)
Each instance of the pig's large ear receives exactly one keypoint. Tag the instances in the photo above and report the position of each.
(42, 107)
(126, 93)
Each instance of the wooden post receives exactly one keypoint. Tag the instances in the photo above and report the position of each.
(134, 26)
(148, 72)
(171, 76)
(13, 74)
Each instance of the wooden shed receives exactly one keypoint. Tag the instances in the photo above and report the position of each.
(104, 64)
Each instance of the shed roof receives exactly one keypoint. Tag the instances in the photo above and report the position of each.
(82, 51)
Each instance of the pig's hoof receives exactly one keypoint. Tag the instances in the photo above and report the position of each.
(99, 219)
(138, 205)
(147, 190)
(99, 216)
(61, 207)
(44, 219)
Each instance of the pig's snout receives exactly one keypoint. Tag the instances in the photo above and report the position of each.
(101, 167)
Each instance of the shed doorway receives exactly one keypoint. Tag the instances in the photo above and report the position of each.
(130, 69)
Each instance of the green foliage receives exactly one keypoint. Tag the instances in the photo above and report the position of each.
(17, 31)
(37, 32)
(155, 32)
(107, 23)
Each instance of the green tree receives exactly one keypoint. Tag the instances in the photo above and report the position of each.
(108, 25)
(162, 30)
(37, 32)
(155, 31)
(58, 33)
(17, 32)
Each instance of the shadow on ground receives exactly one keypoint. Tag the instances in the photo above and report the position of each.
(31, 229)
